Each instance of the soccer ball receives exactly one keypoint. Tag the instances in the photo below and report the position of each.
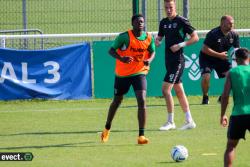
(179, 153)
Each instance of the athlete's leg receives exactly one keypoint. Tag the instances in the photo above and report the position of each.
(140, 86)
(222, 69)
(142, 114)
(222, 75)
(112, 110)
(111, 113)
(179, 90)
(174, 72)
(180, 93)
(230, 152)
(121, 87)
(166, 91)
(206, 67)
(205, 83)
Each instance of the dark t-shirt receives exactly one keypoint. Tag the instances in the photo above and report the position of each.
(174, 31)
(219, 42)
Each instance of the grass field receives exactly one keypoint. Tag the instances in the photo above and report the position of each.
(66, 133)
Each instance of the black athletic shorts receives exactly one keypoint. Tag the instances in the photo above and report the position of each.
(238, 126)
(174, 72)
(122, 85)
(207, 65)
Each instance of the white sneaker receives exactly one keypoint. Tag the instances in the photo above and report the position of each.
(188, 125)
(168, 126)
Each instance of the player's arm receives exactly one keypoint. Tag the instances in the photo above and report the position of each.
(193, 38)
(187, 29)
(118, 43)
(210, 43)
(114, 54)
(160, 35)
(124, 59)
(149, 60)
(158, 40)
(151, 50)
(207, 50)
(224, 101)
(236, 43)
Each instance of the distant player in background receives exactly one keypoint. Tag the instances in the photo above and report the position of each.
(174, 28)
(133, 50)
(237, 80)
(213, 55)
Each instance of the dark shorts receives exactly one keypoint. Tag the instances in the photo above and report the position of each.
(174, 72)
(238, 126)
(207, 65)
(122, 85)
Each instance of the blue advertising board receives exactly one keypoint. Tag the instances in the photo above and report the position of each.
(57, 73)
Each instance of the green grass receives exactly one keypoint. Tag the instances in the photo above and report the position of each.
(85, 16)
(66, 133)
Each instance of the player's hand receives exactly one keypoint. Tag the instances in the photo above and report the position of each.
(174, 48)
(224, 121)
(157, 41)
(223, 56)
(146, 62)
(126, 59)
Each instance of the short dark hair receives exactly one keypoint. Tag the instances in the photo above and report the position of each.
(242, 53)
(225, 17)
(135, 16)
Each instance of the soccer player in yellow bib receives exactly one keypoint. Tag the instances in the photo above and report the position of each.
(133, 50)
(238, 81)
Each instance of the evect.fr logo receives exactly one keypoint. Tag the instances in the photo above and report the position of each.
(16, 156)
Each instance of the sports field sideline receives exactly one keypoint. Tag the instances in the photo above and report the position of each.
(67, 133)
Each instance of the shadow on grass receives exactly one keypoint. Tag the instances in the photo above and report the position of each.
(69, 145)
(159, 105)
(69, 133)
(148, 106)
(46, 146)
(51, 133)
(167, 162)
